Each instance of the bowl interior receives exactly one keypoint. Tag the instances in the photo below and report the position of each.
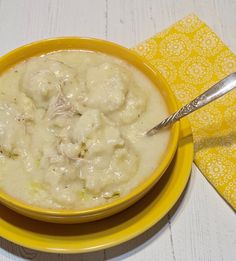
(76, 43)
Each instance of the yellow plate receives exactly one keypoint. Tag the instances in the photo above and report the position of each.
(80, 238)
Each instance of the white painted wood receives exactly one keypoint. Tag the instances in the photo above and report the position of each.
(202, 226)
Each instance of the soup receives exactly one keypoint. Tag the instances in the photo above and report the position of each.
(72, 129)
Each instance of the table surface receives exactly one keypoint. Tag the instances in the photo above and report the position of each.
(203, 226)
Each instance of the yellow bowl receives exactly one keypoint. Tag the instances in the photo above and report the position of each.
(99, 212)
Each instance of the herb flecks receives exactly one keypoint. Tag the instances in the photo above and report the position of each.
(114, 195)
(8, 153)
(78, 113)
(83, 150)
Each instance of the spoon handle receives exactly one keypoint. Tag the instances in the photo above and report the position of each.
(215, 92)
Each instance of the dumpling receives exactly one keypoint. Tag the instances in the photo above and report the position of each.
(63, 183)
(104, 142)
(44, 78)
(62, 71)
(107, 87)
(11, 130)
(84, 125)
(109, 161)
(134, 106)
(41, 86)
(122, 165)
(26, 106)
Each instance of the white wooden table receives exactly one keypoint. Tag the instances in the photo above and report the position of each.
(203, 226)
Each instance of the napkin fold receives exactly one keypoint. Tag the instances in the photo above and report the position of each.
(192, 58)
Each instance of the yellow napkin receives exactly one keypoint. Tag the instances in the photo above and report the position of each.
(191, 57)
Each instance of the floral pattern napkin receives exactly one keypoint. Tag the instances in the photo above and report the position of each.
(191, 58)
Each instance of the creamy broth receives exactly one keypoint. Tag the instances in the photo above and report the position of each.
(72, 127)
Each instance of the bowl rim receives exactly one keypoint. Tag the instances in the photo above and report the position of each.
(7, 200)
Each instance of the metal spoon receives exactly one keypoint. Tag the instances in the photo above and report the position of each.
(215, 92)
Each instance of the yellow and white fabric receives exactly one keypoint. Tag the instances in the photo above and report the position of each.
(191, 57)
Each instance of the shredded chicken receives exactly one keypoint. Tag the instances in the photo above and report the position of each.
(59, 105)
